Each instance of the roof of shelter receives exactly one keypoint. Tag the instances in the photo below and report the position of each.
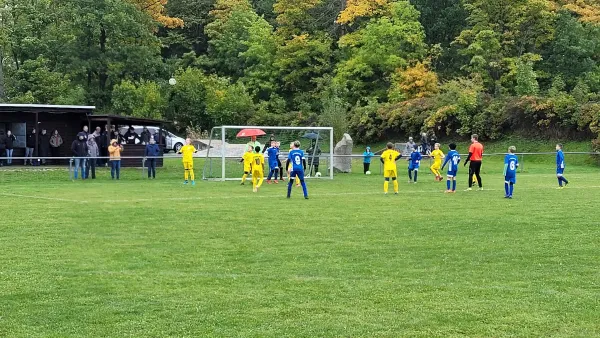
(44, 108)
(127, 120)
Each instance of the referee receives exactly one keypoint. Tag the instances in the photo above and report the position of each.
(475, 156)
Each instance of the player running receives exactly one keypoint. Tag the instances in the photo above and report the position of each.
(297, 162)
(452, 159)
(258, 169)
(390, 170)
(188, 151)
(560, 166)
(437, 156)
(511, 163)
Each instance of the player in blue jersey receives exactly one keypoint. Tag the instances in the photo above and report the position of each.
(452, 159)
(560, 166)
(273, 154)
(413, 164)
(511, 163)
(298, 163)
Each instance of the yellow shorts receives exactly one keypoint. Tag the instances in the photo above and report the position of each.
(188, 165)
(436, 166)
(390, 173)
(247, 168)
(258, 173)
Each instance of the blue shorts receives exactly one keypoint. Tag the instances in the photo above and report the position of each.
(452, 173)
(297, 173)
(273, 165)
(560, 171)
(510, 179)
(413, 167)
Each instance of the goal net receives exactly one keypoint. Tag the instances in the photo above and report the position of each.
(223, 150)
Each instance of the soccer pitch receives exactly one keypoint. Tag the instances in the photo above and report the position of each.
(156, 258)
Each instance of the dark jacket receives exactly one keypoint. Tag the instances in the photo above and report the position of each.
(145, 136)
(44, 140)
(130, 137)
(30, 141)
(79, 148)
(313, 159)
(152, 150)
(2, 144)
(101, 140)
(9, 141)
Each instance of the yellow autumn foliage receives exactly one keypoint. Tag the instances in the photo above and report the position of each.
(156, 9)
(362, 8)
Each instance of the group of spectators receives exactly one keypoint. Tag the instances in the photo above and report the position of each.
(425, 147)
(48, 145)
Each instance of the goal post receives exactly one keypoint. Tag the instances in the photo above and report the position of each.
(223, 150)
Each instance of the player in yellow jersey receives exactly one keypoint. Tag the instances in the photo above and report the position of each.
(438, 156)
(258, 169)
(188, 152)
(247, 159)
(390, 171)
(289, 168)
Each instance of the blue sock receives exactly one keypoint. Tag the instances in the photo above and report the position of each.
(560, 181)
(416, 174)
(290, 187)
(512, 188)
(506, 191)
(304, 188)
(409, 174)
(448, 184)
(454, 185)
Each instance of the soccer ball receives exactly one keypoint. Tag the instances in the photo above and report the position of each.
(368, 173)
(318, 174)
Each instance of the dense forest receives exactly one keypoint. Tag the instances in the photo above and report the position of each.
(374, 67)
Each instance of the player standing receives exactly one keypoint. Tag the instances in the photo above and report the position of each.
(258, 169)
(452, 159)
(511, 163)
(414, 164)
(560, 166)
(247, 160)
(437, 156)
(390, 170)
(297, 161)
(188, 151)
(273, 154)
(475, 156)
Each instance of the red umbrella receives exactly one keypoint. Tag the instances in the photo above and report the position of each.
(250, 133)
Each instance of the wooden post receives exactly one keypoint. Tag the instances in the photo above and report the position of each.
(37, 131)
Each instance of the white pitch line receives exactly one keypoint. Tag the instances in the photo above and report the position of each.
(43, 198)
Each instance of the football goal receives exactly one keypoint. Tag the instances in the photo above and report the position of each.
(224, 149)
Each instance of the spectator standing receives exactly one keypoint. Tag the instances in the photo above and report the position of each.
(313, 157)
(131, 137)
(410, 145)
(424, 144)
(56, 142)
(79, 149)
(93, 153)
(44, 145)
(145, 136)
(152, 151)
(432, 141)
(114, 151)
(30, 147)
(9, 142)
(367, 155)
(476, 157)
(2, 147)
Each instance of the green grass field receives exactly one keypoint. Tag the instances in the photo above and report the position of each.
(156, 258)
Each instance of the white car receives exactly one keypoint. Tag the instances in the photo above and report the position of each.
(173, 142)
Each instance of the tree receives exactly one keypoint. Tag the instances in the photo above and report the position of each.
(356, 9)
(413, 82)
(35, 82)
(377, 49)
(156, 10)
(293, 16)
(190, 37)
(144, 100)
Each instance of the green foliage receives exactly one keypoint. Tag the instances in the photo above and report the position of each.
(335, 115)
(35, 82)
(143, 100)
(203, 101)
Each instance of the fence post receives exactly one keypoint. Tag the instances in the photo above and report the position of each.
(522, 163)
(143, 165)
(71, 169)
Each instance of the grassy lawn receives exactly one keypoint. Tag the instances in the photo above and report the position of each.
(156, 258)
